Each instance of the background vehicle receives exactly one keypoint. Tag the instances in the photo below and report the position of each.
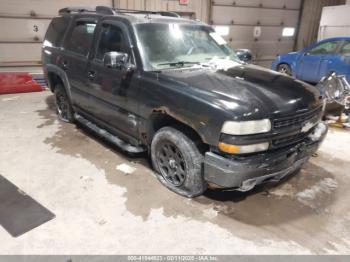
(244, 55)
(152, 82)
(317, 61)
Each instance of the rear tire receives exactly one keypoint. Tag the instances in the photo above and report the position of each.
(284, 69)
(64, 108)
(178, 162)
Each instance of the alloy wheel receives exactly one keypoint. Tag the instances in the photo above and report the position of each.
(171, 163)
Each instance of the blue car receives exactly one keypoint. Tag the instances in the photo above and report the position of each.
(316, 61)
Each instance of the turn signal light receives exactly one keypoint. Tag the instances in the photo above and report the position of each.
(230, 149)
(243, 149)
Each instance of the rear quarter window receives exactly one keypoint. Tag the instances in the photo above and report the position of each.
(56, 30)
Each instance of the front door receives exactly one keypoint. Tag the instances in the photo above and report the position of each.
(312, 63)
(114, 89)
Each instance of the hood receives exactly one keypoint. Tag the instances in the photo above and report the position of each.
(248, 91)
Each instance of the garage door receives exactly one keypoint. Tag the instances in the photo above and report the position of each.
(267, 27)
(24, 24)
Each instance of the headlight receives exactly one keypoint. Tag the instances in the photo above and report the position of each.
(246, 127)
(246, 149)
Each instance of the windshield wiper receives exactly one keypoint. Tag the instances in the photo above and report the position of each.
(179, 63)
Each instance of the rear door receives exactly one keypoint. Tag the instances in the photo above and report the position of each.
(313, 64)
(344, 65)
(75, 60)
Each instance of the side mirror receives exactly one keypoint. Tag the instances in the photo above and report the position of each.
(244, 55)
(115, 59)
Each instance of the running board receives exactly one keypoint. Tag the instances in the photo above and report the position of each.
(108, 136)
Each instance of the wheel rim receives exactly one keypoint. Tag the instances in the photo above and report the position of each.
(62, 106)
(283, 70)
(171, 163)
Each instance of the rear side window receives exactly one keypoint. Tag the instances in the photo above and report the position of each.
(81, 38)
(326, 48)
(56, 31)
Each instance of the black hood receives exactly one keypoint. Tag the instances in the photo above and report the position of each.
(248, 91)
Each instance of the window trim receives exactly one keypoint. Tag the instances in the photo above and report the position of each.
(118, 24)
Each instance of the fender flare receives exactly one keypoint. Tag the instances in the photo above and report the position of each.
(61, 74)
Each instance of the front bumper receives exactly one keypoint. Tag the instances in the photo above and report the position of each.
(244, 173)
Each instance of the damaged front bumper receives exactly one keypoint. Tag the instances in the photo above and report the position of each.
(244, 173)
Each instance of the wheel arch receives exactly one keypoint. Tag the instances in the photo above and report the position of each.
(284, 63)
(56, 75)
(53, 80)
(161, 118)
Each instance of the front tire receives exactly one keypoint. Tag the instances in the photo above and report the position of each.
(64, 108)
(178, 162)
(284, 69)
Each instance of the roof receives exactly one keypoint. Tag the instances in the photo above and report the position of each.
(335, 39)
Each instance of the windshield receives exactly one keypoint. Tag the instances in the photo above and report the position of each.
(165, 46)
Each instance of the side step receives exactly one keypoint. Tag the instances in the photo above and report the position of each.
(111, 138)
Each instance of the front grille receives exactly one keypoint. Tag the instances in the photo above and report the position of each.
(289, 140)
(297, 120)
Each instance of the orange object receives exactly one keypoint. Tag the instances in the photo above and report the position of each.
(230, 149)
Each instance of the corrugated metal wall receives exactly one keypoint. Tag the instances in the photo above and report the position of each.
(198, 7)
(23, 23)
(310, 20)
(334, 22)
(267, 16)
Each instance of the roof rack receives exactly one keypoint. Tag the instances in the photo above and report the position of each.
(105, 10)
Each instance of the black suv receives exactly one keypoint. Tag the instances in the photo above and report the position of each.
(154, 82)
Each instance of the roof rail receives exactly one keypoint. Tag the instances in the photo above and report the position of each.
(79, 9)
(162, 13)
(172, 14)
(106, 10)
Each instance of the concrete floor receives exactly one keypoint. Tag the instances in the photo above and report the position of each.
(102, 210)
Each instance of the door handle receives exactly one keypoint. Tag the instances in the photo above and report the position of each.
(65, 65)
(91, 75)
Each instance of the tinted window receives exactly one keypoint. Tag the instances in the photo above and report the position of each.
(111, 40)
(327, 48)
(56, 31)
(81, 37)
(345, 50)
